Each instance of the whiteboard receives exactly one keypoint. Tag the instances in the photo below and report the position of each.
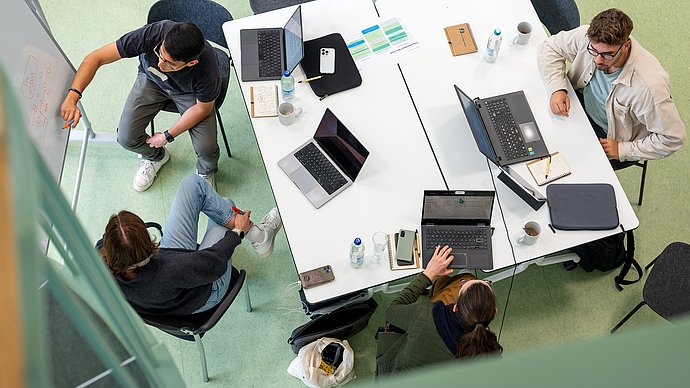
(40, 75)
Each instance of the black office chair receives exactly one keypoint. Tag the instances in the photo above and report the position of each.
(209, 16)
(261, 6)
(640, 163)
(667, 288)
(193, 327)
(557, 15)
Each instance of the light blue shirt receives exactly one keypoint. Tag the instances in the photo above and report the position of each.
(596, 93)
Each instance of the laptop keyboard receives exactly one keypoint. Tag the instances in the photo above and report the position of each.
(269, 53)
(320, 168)
(466, 238)
(507, 131)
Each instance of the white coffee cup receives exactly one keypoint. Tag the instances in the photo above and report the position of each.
(287, 113)
(530, 233)
(524, 31)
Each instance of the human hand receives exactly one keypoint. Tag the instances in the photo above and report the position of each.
(610, 147)
(243, 222)
(438, 265)
(560, 103)
(69, 110)
(157, 140)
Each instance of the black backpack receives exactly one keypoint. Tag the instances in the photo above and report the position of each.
(610, 253)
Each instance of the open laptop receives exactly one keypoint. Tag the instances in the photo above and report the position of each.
(504, 127)
(461, 220)
(267, 52)
(328, 163)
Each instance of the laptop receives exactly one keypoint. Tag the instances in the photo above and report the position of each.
(267, 52)
(461, 220)
(328, 163)
(504, 127)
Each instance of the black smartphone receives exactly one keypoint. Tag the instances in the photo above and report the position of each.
(316, 276)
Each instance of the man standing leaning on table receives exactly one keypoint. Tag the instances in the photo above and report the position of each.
(625, 91)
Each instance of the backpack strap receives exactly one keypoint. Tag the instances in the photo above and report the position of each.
(629, 261)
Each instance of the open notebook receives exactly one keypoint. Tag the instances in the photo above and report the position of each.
(392, 244)
(557, 168)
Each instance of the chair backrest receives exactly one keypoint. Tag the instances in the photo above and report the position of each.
(261, 6)
(224, 68)
(557, 15)
(208, 15)
(667, 288)
(198, 323)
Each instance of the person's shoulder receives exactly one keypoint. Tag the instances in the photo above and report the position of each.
(649, 75)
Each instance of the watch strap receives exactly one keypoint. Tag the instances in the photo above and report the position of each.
(168, 136)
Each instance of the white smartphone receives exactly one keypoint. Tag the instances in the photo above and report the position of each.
(327, 64)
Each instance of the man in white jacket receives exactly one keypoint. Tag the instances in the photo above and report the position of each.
(625, 91)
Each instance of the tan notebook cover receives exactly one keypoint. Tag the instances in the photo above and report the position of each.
(556, 168)
(460, 39)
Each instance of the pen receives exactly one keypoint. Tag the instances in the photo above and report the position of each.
(304, 81)
(236, 210)
(548, 165)
(322, 97)
(67, 124)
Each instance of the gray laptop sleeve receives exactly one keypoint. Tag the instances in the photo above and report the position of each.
(582, 206)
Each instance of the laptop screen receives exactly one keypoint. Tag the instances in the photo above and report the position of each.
(294, 44)
(465, 206)
(476, 125)
(340, 145)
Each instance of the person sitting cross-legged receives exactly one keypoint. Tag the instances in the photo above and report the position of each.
(176, 276)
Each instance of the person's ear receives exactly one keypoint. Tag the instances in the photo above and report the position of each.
(192, 62)
(455, 308)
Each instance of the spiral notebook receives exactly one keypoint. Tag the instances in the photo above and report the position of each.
(392, 244)
(556, 168)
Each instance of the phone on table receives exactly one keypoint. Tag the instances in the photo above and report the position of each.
(327, 60)
(405, 248)
(316, 276)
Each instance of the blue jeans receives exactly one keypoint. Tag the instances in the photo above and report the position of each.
(193, 197)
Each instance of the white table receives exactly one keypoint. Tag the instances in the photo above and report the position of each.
(430, 74)
(386, 196)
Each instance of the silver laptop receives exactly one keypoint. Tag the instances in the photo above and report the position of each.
(460, 219)
(328, 163)
(267, 52)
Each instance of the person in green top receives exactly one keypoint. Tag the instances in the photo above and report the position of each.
(419, 332)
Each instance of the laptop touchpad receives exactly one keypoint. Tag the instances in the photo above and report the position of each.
(304, 180)
(529, 132)
(460, 260)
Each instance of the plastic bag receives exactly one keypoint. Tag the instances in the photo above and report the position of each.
(306, 365)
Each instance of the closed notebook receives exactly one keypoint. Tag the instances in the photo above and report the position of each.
(544, 171)
(460, 39)
(392, 244)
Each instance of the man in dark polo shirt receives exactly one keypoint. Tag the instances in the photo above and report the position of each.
(175, 63)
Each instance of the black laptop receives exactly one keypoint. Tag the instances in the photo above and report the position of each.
(461, 220)
(267, 52)
(504, 127)
(326, 164)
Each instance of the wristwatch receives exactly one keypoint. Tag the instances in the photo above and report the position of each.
(168, 137)
(239, 232)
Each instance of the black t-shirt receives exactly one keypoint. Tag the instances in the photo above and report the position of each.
(202, 79)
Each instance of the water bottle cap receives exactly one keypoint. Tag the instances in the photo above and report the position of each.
(286, 73)
(497, 32)
(358, 241)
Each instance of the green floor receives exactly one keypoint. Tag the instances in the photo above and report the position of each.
(545, 305)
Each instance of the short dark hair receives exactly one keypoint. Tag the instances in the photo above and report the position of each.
(610, 27)
(184, 42)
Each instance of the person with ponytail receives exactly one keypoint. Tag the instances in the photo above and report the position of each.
(420, 331)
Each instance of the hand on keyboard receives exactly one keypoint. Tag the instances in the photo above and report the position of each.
(438, 265)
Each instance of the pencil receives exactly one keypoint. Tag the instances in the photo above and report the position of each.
(304, 81)
(548, 165)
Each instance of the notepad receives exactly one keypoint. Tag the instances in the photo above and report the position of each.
(264, 100)
(460, 39)
(557, 169)
(392, 244)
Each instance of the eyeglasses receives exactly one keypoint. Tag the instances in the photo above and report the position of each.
(606, 56)
(171, 65)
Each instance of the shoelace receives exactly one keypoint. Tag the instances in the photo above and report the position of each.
(270, 221)
(148, 165)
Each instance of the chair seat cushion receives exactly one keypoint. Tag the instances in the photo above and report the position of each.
(667, 289)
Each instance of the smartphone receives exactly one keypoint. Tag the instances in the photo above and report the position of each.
(405, 248)
(316, 276)
(327, 60)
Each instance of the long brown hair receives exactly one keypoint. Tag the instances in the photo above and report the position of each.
(476, 308)
(126, 242)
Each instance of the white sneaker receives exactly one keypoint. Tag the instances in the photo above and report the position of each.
(210, 178)
(147, 172)
(270, 224)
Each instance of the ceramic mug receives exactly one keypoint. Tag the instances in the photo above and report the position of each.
(287, 113)
(524, 32)
(530, 233)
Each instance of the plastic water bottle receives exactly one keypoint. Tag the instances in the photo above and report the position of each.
(287, 85)
(492, 46)
(357, 253)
